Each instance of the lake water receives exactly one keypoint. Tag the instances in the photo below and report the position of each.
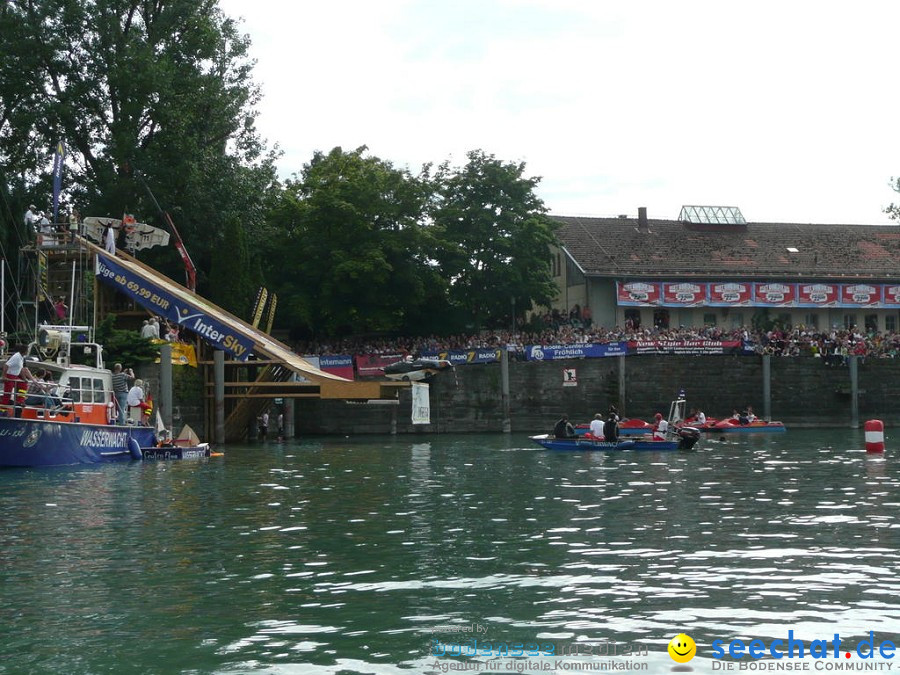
(382, 555)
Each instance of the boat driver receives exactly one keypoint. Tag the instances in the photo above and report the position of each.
(563, 428)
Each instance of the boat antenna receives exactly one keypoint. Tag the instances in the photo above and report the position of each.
(189, 269)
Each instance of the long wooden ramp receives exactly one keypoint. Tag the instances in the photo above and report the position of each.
(164, 297)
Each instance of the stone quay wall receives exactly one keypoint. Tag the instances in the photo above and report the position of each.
(804, 392)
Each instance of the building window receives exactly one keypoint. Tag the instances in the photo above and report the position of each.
(709, 319)
(871, 323)
(784, 320)
(661, 319)
(737, 319)
(632, 319)
(849, 321)
(890, 323)
(574, 276)
(811, 321)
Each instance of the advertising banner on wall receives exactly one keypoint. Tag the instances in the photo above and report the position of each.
(337, 364)
(861, 295)
(593, 350)
(637, 293)
(756, 294)
(775, 294)
(683, 294)
(817, 295)
(421, 403)
(730, 294)
(461, 357)
(891, 295)
(685, 347)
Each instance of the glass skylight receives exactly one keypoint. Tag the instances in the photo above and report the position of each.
(712, 215)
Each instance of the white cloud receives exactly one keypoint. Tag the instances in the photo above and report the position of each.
(782, 109)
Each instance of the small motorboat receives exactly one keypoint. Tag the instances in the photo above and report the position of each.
(631, 427)
(166, 452)
(731, 426)
(684, 438)
(550, 442)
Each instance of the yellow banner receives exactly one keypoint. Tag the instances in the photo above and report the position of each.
(260, 304)
(182, 354)
(272, 303)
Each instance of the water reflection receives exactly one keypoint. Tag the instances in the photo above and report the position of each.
(357, 554)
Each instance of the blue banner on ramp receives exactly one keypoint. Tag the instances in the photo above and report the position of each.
(186, 314)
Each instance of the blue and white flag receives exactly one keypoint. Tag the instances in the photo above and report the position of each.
(58, 158)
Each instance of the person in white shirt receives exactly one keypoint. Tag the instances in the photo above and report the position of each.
(147, 330)
(597, 426)
(135, 401)
(31, 218)
(660, 429)
(109, 239)
(15, 374)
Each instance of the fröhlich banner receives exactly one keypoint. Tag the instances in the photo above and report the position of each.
(578, 351)
(178, 310)
(460, 357)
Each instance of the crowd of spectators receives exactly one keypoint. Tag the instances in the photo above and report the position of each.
(834, 346)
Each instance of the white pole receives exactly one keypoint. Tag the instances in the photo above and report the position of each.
(72, 299)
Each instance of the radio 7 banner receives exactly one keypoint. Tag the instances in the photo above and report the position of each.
(465, 356)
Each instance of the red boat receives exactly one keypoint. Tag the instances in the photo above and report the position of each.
(732, 425)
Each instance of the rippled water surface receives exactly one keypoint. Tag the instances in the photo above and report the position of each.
(356, 555)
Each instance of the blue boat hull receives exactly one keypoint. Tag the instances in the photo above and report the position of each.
(580, 443)
(27, 442)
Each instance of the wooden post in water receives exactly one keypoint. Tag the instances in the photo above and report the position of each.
(165, 385)
(289, 417)
(621, 384)
(854, 392)
(504, 389)
(767, 386)
(219, 379)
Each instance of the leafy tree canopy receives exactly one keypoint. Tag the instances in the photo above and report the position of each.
(350, 254)
(495, 238)
(162, 88)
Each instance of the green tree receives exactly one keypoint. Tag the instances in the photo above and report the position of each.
(495, 239)
(160, 87)
(348, 252)
(125, 346)
(231, 285)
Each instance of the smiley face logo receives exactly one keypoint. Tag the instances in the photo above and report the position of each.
(682, 648)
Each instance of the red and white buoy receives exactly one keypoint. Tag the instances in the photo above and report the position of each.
(874, 436)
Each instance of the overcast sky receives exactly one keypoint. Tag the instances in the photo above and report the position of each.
(787, 110)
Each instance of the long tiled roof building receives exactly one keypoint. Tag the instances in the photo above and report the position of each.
(820, 273)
